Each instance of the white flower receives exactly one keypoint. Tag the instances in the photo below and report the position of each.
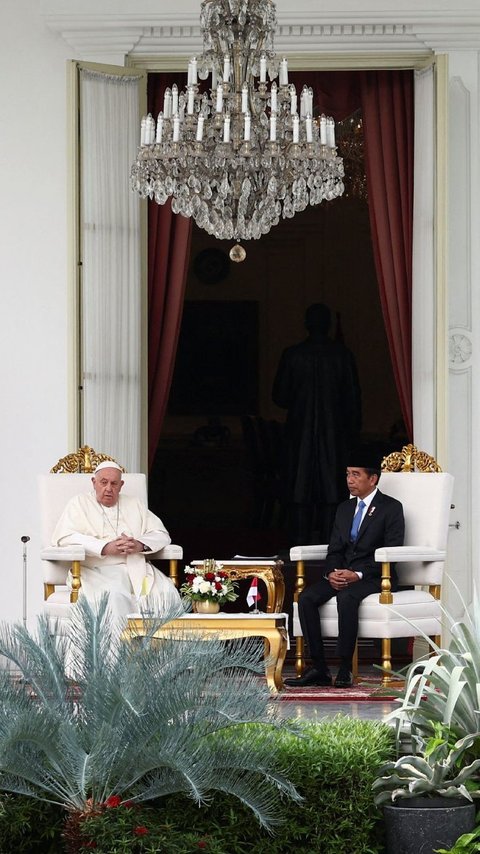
(204, 587)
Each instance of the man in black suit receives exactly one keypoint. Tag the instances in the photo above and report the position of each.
(367, 521)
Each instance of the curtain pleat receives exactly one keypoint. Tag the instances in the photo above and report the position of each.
(388, 116)
(111, 268)
(169, 237)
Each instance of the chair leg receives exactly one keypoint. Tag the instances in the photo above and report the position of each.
(387, 660)
(299, 655)
(300, 643)
(355, 663)
(76, 582)
(173, 571)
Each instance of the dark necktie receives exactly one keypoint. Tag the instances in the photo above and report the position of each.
(356, 521)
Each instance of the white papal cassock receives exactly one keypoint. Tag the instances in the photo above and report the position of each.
(128, 579)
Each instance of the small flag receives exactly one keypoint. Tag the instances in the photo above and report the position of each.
(253, 595)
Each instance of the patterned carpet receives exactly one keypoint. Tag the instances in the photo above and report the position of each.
(364, 691)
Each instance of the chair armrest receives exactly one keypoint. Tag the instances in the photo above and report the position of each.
(404, 554)
(63, 553)
(308, 552)
(170, 552)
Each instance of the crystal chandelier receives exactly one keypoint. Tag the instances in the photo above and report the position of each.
(238, 153)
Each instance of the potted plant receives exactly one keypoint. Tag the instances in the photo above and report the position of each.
(438, 714)
(427, 797)
(208, 586)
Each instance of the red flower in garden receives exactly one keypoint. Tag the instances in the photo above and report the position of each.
(141, 830)
(201, 843)
(113, 801)
(90, 844)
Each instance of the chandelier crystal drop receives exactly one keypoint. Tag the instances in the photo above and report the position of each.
(239, 153)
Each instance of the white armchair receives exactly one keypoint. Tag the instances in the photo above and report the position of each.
(426, 496)
(54, 491)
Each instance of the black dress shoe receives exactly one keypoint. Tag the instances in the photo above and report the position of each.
(344, 679)
(311, 677)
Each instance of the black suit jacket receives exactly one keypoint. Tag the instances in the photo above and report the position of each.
(383, 525)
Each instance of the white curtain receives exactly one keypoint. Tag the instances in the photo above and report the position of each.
(423, 289)
(110, 300)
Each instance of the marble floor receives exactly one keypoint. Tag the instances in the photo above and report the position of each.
(375, 710)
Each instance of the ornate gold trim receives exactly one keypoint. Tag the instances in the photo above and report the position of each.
(410, 459)
(84, 460)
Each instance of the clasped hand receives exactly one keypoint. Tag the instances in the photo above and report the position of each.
(123, 545)
(341, 578)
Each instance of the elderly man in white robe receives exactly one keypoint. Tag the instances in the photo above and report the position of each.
(118, 533)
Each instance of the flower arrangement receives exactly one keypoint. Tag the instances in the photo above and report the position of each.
(208, 582)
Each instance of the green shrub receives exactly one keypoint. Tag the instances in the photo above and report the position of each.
(29, 826)
(130, 829)
(333, 765)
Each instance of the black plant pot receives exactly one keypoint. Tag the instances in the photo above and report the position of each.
(420, 825)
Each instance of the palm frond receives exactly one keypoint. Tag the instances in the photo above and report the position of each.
(93, 714)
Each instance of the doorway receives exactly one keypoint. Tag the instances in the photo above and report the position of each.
(206, 482)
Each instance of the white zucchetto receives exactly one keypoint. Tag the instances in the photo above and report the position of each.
(108, 464)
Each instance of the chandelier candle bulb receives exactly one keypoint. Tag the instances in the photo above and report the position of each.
(214, 78)
(283, 74)
(273, 127)
(226, 129)
(296, 128)
(189, 73)
(200, 122)
(194, 70)
(176, 127)
(143, 131)
(150, 129)
(226, 68)
(308, 128)
(159, 128)
(273, 97)
(167, 104)
(263, 68)
(174, 99)
(330, 133)
(246, 133)
(323, 130)
(219, 104)
(190, 103)
(293, 100)
(303, 103)
(245, 98)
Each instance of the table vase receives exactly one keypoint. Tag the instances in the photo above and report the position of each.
(206, 606)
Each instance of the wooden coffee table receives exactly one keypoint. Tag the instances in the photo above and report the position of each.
(271, 627)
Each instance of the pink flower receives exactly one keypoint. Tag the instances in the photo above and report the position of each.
(141, 830)
(113, 801)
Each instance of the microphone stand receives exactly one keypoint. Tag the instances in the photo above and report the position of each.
(25, 540)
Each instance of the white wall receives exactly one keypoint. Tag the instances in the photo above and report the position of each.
(33, 276)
